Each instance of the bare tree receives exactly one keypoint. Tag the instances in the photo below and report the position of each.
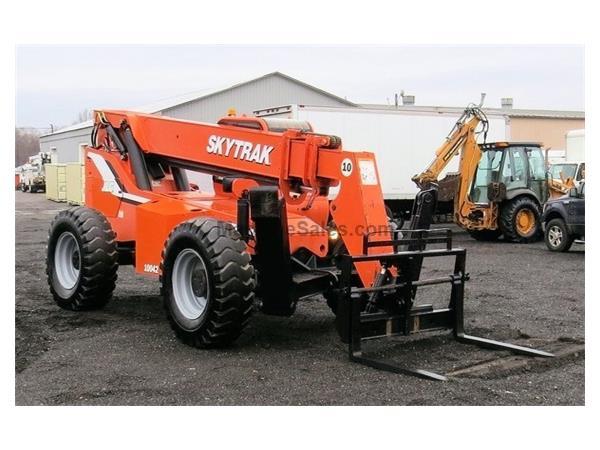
(27, 143)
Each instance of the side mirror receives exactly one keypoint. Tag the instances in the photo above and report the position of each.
(573, 193)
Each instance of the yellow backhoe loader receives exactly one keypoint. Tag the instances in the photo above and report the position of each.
(501, 186)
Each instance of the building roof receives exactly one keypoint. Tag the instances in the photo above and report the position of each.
(172, 102)
(510, 112)
(192, 97)
(74, 127)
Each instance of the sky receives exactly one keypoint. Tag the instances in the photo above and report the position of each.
(55, 83)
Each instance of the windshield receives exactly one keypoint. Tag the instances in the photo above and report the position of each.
(487, 171)
(568, 171)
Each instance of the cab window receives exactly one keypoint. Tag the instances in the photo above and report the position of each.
(581, 172)
(537, 169)
(487, 172)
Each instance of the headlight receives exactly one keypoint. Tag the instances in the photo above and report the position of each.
(334, 234)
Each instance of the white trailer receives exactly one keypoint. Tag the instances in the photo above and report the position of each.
(575, 145)
(572, 165)
(404, 141)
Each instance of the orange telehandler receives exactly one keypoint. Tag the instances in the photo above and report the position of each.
(267, 232)
(501, 186)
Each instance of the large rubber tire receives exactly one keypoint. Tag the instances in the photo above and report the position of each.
(509, 216)
(557, 236)
(226, 279)
(82, 259)
(485, 235)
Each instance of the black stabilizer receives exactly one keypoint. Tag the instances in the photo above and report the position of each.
(136, 157)
(243, 217)
(424, 209)
(422, 216)
(272, 258)
(181, 179)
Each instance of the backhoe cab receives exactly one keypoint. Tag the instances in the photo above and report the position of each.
(268, 232)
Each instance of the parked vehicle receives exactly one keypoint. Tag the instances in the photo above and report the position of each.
(564, 220)
(569, 171)
(32, 177)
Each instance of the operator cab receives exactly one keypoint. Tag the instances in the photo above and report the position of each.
(509, 167)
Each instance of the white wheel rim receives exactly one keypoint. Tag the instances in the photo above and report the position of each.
(555, 236)
(67, 260)
(190, 284)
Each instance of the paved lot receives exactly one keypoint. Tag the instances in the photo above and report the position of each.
(127, 354)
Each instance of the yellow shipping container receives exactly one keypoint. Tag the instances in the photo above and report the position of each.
(75, 183)
(56, 182)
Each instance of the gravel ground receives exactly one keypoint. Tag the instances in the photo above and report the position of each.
(126, 354)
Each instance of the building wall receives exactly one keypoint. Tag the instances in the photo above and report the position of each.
(549, 131)
(66, 144)
(259, 94)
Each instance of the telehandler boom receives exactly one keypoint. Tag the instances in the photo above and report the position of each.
(267, 231)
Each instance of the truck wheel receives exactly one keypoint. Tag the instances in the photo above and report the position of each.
(520, 220)
(24, 187)
(485, 235)
(81, 263)
(557, 236)
(207, 282)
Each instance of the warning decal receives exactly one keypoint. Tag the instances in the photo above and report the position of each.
(368, 175)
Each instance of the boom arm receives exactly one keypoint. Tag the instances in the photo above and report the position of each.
(464, 132)
(301, 163)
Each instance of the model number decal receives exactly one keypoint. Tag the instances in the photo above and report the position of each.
(151, 268)
(244, 150)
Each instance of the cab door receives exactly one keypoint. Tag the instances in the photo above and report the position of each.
(514, 169)
(537, 172)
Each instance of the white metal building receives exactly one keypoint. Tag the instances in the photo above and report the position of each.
(272, 89)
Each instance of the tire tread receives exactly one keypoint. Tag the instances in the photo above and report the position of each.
(98, 256)
(507, 220)
(233, 282)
